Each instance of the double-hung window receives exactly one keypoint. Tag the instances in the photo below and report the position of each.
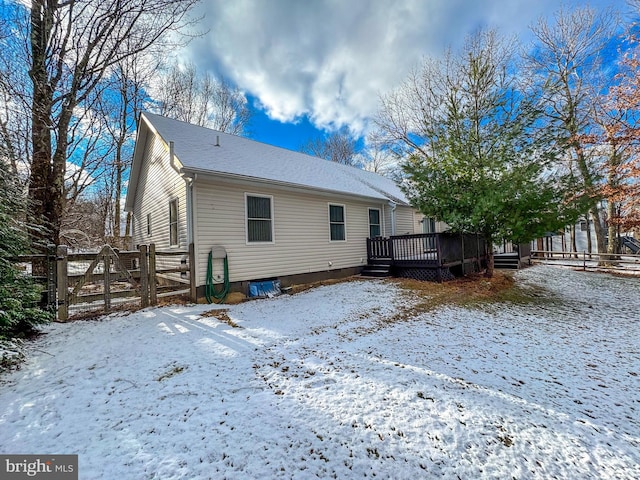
(173, 222)
(259, 218)
(374, 222)
(337, 223)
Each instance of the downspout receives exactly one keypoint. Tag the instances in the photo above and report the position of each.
(393, 206)
(189, 192)
(190, 216)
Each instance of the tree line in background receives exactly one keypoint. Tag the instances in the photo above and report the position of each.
(487, 139)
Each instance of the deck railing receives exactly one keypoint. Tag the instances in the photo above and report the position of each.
(426, 248)
(418, 247)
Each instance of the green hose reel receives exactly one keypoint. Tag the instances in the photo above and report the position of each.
(210, 293)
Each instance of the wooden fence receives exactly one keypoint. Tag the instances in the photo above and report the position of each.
(78, 283)
(612, 262)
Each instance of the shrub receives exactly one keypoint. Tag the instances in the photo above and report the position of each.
(19, 295)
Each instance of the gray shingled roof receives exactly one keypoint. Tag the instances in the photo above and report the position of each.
(195, 147)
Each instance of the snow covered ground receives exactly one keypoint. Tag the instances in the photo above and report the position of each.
(330, 384)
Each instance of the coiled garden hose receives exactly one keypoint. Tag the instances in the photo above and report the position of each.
(210, 291)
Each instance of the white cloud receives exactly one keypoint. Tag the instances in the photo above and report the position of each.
(330, 59)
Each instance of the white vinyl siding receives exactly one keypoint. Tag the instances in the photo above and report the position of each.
(386, 217)
(300, 229)
(259, 215)
(337, 223)
(149, 231)
(404, 220)
(159, 183)
(419, 224)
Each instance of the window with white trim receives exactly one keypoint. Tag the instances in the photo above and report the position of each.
(259, 218)
(374, 223)
(173, 222)
(337, 226)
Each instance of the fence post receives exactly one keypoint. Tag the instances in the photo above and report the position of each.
(144, 277)
(106, 259)
(52, 275)
(193, 288)
(153, 292)
(61, 282)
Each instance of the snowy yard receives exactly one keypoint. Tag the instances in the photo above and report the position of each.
(329, 383)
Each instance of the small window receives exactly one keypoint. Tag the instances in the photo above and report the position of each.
(259, 219)
(336, 223)
(173, 222)
(374, 222)
(148, 224)
(428, 225)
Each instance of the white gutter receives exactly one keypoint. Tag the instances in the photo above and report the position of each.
(189, 182)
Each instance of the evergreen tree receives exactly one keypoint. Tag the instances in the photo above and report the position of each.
(478, 162)
(19, 295)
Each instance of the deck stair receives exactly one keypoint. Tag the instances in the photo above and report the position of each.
(379, 267)
(631, 243)
(506, 261)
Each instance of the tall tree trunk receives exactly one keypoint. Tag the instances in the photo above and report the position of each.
(59, 169)
(589, 240)
(490, 264)
(614, 186)
(127, 227)
(601, 240)
(588, 179)
(612, 246)
(117, 194)
(41, 207)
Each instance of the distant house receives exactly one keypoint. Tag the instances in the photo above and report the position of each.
(277, 213)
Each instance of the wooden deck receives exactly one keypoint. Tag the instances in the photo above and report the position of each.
(426, 256)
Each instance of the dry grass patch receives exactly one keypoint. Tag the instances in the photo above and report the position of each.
(222, 315)
(473, 291)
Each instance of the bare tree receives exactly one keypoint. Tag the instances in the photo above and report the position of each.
(14, 106)
(120, 110)
(567, 64)
(616, 114)
(73, 45)
(338, 146)
(203, 100)
(379, 158)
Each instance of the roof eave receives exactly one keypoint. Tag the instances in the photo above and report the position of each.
(190, 172)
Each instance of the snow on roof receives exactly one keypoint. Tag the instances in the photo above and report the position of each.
(201, 149)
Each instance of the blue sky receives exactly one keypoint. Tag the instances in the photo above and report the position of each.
(308, 67)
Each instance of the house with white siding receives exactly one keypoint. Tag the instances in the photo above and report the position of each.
(275, 212)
